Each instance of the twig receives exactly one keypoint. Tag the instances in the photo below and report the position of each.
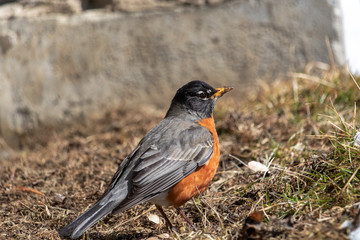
(330, 52)
(238, 159)
(29, 190)
(217, 214)
(352, 77)
(131, 219)
(350, 179)
(312, 78)
(199, 210)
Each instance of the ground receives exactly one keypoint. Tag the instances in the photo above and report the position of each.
(301, 129)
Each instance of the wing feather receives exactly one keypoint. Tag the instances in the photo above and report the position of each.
(165, 163)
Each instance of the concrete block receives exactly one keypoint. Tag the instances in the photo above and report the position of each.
(61, 68)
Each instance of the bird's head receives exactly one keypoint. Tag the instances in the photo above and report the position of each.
(198, 98)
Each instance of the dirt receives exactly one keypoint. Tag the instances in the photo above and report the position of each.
(46, 187)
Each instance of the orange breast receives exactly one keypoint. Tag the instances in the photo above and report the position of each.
(199, 180)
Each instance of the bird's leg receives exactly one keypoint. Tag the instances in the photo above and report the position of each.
(166, 218)
(186, 218)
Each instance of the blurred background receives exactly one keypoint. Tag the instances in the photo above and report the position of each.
(351, 31)
(65, 61)
(81, 81)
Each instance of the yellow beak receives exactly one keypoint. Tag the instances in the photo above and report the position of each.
(221, 91)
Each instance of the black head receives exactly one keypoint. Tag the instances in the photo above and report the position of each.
(197, 97)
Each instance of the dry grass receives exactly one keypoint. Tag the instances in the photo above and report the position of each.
(302, 129)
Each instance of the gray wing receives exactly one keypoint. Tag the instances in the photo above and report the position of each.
(167, 162)
(167, 154)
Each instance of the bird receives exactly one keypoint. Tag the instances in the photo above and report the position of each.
(175, 161)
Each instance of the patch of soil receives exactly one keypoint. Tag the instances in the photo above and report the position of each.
(44, 189)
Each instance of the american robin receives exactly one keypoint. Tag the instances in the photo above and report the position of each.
(175, 161)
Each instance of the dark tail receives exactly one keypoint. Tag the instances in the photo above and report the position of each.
(99, 210)
(86, 220)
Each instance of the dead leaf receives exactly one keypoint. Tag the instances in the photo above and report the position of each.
(29, 190)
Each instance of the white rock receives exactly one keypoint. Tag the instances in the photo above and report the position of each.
(154, 218)
(355, 235)
(257, 167)
(357, 139)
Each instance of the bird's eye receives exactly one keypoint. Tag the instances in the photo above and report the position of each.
(201, 94)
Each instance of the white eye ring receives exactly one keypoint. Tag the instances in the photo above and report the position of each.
(202, 95)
